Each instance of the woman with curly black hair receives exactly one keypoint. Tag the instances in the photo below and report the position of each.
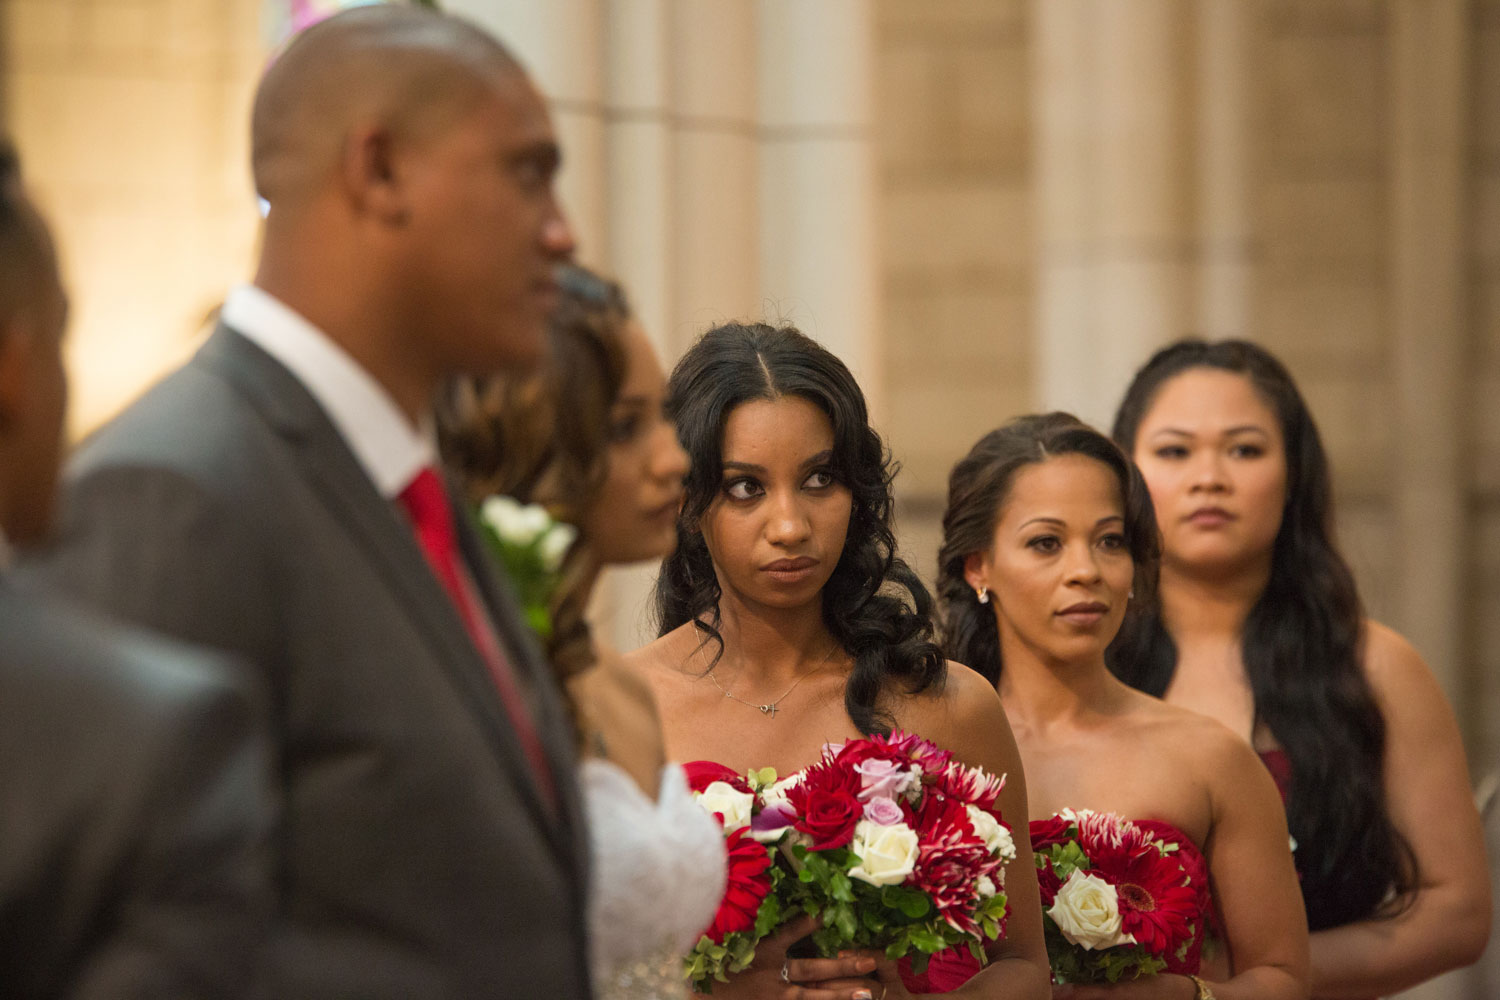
(788, 621)
(1260, 626)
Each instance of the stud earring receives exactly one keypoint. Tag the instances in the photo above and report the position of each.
(984, 595)
(1130, 596)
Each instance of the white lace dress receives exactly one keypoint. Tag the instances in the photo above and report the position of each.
(658, 877)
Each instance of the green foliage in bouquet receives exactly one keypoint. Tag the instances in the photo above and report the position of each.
(898, 920)
(531, 547)
(709, 962)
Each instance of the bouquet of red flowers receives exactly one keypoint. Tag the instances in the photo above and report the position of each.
(1119, 900)
(891, 843)
(749, 910)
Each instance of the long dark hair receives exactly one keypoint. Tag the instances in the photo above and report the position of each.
(548, 432)
(1303, 653)
(977, 489)
(874, 606)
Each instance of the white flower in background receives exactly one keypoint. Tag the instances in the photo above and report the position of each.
(555, 544)
(985, 887)
(729, 802)
(513, 522)
(887, 854)
(1087, 911)
(994, 834)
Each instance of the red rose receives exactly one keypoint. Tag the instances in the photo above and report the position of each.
(826, 803)
(702, 773)
(828, 817)
(1047, 881)
(1050, 831)
(749, 862)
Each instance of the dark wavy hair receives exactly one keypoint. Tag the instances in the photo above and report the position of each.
(874, 605)
(1303, 653)
(978, 487)
(545, 436)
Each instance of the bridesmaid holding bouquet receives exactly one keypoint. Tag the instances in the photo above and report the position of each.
(788, 622)
(1049, 548)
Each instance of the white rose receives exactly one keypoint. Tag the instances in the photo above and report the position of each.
(723, 798)
(994, 834)
(514, 523)
(887, 854)
(555, 544)
(1087, 911)
(985, 887)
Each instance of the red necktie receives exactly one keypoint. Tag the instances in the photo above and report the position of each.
(426, 502)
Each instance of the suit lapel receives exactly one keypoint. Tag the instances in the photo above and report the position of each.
(553, 726)
(384, 538)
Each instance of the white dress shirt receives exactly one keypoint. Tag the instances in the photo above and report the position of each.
(388, 447)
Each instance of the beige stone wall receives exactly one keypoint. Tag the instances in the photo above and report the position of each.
(1484, 403)
(131, 116)
(952, 101)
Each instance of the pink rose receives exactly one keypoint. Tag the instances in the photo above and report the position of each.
(884, 812)
(884, 779)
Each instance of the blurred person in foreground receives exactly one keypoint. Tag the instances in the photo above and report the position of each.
(134, 850)
(278, 496)
(587, 438)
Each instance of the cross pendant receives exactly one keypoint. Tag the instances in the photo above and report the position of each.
(767, 710)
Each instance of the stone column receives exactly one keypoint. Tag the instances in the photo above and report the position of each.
(716, 166)
(1429, 59)
(818, 250)
(1226, 50)
(561, 44)
(1429, 205)
(1114, 182)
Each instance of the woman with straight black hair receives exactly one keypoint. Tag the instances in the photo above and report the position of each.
(1260, 626)
(788, 622)
(1049, 549)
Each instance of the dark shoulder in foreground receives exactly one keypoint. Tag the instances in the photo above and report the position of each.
(52, 649)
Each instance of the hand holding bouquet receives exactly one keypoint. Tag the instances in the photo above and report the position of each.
(1118, 900)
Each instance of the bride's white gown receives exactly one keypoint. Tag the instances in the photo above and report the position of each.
(658, 877)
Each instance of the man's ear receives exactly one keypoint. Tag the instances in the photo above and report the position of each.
(974, 574)
(368, 168)
(15, 369)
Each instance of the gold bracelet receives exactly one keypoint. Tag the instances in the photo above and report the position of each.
(1204, 993)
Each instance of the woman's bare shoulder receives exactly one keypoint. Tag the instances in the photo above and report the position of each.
(669, 652)
(962, 714)
(615, 678)
(1201, 744)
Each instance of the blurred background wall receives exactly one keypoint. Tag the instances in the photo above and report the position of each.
(985, 206)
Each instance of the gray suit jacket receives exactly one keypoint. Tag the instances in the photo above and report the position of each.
(136, 818)
(417, 858)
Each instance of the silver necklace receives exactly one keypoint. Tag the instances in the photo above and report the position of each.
(769, 708)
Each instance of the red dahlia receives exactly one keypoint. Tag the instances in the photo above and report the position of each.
(749, 863)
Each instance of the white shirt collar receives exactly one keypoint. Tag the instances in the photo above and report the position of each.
(388, 447)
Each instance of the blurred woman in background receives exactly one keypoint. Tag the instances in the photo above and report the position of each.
(586, 438)
(1260, 626)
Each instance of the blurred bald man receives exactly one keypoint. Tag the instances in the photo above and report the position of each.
(276, 497)
(134, 836)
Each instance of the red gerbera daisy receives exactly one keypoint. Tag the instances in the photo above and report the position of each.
(1157, 906)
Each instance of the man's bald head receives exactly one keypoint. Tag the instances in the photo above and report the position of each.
(408, 68)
